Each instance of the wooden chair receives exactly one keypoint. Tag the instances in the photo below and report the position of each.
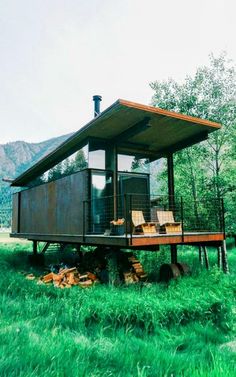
(140, 226)
(167, 222)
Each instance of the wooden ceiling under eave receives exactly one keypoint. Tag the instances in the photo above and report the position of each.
(167, 133)
(123, 123)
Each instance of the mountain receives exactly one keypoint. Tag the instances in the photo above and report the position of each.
(16, 157)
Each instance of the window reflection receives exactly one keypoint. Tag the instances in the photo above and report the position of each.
(97, 159)
(133, 164)
(102, 201)
(98, 184)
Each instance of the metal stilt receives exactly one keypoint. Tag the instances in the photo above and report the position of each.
(35, 247)
(225, 265)
(173, 253)
(200, 255)
(206, 257)
(219, 257)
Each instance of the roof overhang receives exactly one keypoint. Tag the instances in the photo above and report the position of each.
(136, 129)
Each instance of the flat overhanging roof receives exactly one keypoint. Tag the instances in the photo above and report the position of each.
(136, 129)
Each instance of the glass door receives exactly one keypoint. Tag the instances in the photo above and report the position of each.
(101, 200)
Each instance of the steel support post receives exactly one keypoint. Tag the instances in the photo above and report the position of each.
(171, 184)
(200, 256)
(112, 164)
(173, 254)
(219, 257)
(35, 247)
(171, 193)
(206, 257)
(225, 265)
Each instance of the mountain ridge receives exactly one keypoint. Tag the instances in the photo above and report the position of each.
(18, 156)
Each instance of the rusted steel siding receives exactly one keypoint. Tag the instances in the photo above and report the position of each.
(15, 212)
(54, 207)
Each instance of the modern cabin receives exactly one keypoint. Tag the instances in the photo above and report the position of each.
(107, 203)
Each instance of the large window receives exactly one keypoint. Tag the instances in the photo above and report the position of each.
(96, 155)
(75, 162)
(132, 164)
(97, 159)
(101, 200)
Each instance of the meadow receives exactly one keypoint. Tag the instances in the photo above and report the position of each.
(184, 328)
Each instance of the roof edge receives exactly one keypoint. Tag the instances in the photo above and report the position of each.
(171, 114)
(60, 152)
(22, 178)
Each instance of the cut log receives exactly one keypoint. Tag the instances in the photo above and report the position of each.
(83, 277)
(66, 270)
(92, 276)
(139, 271)
(48, 278)
(57, 277)
(130, 278)
(71, 278)
(86, 283)
(136, 265)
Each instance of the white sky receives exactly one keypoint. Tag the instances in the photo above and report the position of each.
(56, 54)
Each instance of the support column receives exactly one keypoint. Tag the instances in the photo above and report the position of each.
(171, 193)
(173, 254)
(111, 164)
(206, 257)
(219, 257)
(200, 256)
(35, 247)
(171, 184)
(225, 265)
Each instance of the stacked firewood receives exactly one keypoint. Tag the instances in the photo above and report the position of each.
(68, 277)
(105, 267)
(136, 272)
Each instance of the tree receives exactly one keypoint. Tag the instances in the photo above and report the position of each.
(78, 163)
(80, 160)
(55, 172)
(139, 165)
(68, 166)
(209, 94)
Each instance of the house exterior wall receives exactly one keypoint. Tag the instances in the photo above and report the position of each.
(52, 208)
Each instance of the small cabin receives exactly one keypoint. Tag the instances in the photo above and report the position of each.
(108, 202)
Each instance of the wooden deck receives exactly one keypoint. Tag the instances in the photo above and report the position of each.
(134, 241)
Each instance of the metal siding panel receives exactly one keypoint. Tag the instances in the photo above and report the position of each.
(54, 207)
(70, 195)
(15, 212)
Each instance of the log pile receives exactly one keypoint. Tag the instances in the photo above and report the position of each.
(135, 273)
(68, 277)
(127, 268)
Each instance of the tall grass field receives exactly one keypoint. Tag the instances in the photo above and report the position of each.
(184, 328)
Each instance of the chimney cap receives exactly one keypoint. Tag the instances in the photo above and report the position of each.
(97, 97)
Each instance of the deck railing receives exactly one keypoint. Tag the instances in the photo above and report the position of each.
(203, 215)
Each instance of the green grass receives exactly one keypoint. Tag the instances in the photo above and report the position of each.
(152, 330)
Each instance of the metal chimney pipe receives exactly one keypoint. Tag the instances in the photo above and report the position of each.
(97, 99)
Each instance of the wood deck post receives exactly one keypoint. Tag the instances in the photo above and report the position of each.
(206, 257)
(225, 265)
